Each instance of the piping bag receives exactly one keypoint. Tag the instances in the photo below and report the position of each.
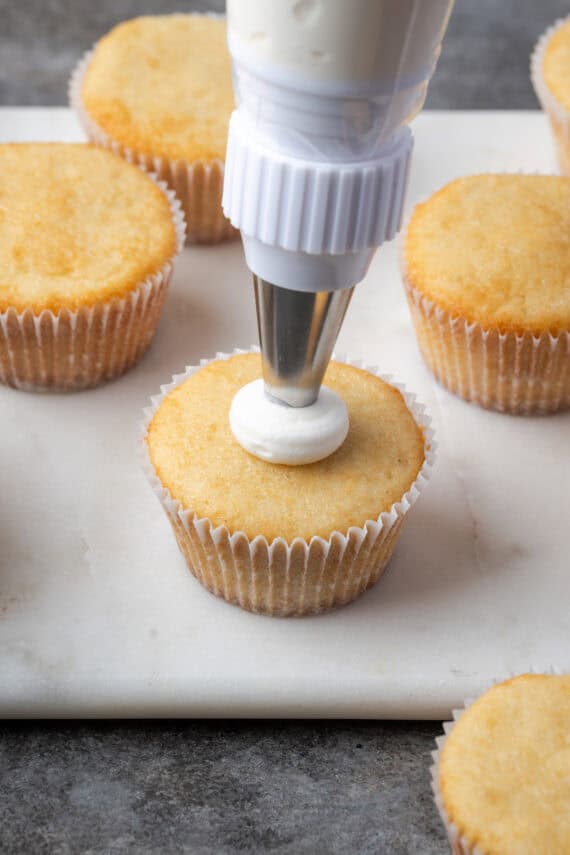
(317, 165)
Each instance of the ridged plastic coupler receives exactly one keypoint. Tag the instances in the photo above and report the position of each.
(310, 206)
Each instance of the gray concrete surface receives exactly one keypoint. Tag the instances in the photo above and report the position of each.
(214, 787)
(312, 788)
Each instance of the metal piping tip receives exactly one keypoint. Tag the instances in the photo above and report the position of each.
(297, 334)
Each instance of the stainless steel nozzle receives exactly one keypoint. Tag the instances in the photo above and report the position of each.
(297, 334)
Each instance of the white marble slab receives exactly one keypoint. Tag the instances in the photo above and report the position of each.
(98, 615)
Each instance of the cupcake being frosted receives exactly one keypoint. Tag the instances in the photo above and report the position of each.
(158, 90)
(285, 539)
(287, 496)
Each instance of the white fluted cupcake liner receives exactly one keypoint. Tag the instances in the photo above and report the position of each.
(197, 184)
(559, 117)
(281, 578)
(458, 842)
(504, 371)
(67, 351)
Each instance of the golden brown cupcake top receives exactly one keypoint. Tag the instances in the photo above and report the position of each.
(78, 225)
(556, 64)
(495, 249)
(161, 85)
(198, 460)
(505, 768)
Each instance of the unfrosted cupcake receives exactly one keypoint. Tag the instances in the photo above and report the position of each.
(284, 540)
(550, 71)
(502, 774)
(87, 243)
(158, 90)
(486, 264)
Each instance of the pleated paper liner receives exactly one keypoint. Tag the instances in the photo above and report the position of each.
(281, 578)
(459, 844)
(67, 351)
(197, 184)
(508, 372)
(558, 116)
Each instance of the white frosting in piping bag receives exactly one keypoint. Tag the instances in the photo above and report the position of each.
(359, 42)
(290, 435)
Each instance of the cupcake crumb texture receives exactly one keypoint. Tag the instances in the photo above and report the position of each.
(494, 249)
(161, 86)
(78, 226)
(504, 772)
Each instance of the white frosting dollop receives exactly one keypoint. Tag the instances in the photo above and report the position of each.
(289, 435)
